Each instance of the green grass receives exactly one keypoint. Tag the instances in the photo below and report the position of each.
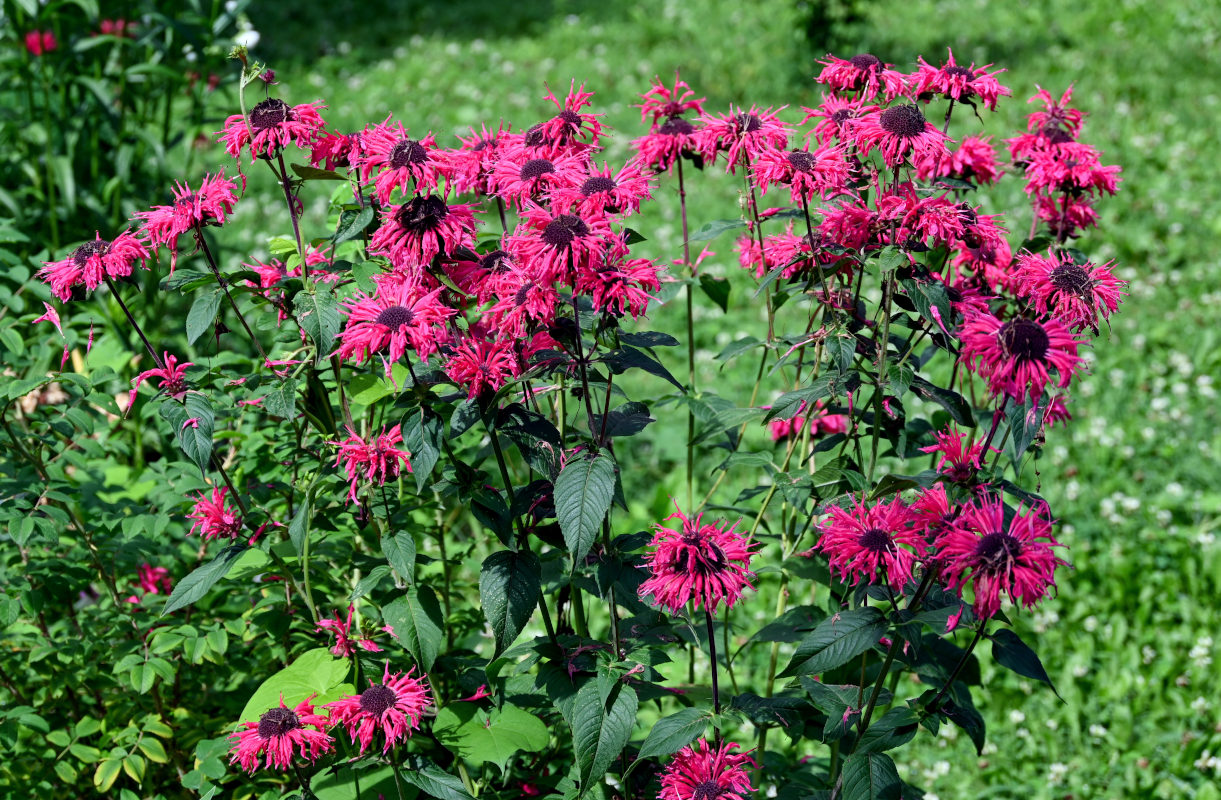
(1133, 478)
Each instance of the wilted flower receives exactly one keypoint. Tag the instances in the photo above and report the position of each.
(210, 205)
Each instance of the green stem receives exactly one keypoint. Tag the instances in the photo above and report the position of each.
(716, 691)
(962, 662)
(682, 206)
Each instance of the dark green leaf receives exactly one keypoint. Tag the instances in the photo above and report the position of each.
(202, 313)
(298, 528)
(717, 290)
(282, 400)
(895, 728)
(672, 733)
(648, 339)
(308, 173)
(837, 640)
(465, 415)
(952, 402)
(433, 782)
(1010, 651)
(422, 436)
(352, 224)
(711, 230)
(628, 419)
(193, 422)
(735, 349)
(626, 358)
(583, 493)
(601, 731)
(871, 776)
(509, 584)
(399, 551)
(318, 313)
(194, 586)
(416, 620)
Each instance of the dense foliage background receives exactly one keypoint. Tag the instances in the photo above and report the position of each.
(1129, 641)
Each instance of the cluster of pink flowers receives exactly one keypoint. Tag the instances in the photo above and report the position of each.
(391, 708)
(705, 564)
(151, 580)
(969, 542)
(39, 42)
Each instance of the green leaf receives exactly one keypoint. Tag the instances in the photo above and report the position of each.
(717, 290)
(153, 750)
(298, 528)
(673, 733)
(626, 358)
(871, 776)
(422, 435)
(314, 671)
(435, 783)
(366, 390)
(889, 259)
(494, 735)
(352, 224)
(416, 620)
(399, 551)
(583, 493)
(308, 173)
(202, 313)
(837, 640)
(193, 422)
(1010, 651)
(713, 229)
(318, 313)
(282, 400)
(194, 586)
(509, 584)
(106, 773)
(893, 729)
(601, 731)
(737, 348)
(952, 402)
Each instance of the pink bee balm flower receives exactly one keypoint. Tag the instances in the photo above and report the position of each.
(606, 192)
(899, 132)
(1072, 168)
(482, 366)
(620, 286)
(959, 460)
(552, 242)
(399, 314)
(862, 73)
(39, 42)
(705, 564)
(211, 205)
(994, 557)
(522, 175)
(1077, 294)
(92, 262)
(1066, 215)
(665, 101)
(973, 161)
(213, 519)
(835, 116)
(473, 162)
(1056, 117)
(343, 647)
(741, 135)
(273, 125)
(415, 233)
(170, 376)
(866, 543)
(278, 733)
(393, 707)
(152, 580)
(569, 126)
(372, 462)
(707, 773)
(400, 162)
(823, 172)
(964, 84)
(1016, 356)
(666, 143)
(333, 150)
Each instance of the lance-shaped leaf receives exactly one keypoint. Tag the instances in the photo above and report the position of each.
(600, 730)
(583, 493)
(509, 584)
(837, 640)
(194, 586)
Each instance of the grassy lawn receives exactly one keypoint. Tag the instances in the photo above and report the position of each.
(1129, 641)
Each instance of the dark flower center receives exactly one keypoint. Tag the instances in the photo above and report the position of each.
(841, 116)
(268, 114)
(535, 168)
(958, 71)
(709, 557)
(82, 254)
(747, 123)
(1055, 134)
(676, 126)
(996, 552)
(496, 261)
(277, 722)
(1072, 278)
(708, 790)
(407, 153)
(395, 317)
(534, 136)
(185, 204)
(519, 299)
(1024, 340)
(875, 540)
(801, 161)
(598, 183)
(422, 214)
(865, 62)
(904, 120)
(572, 120)
(376, 699)
(561, 231)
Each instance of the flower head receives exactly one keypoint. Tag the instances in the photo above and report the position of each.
(835, 116)
(994, 557)
(899, 132)
(343, 641)
(39, 42)
(666, 101)
(570, 128)
(333, 150)
(605, 192)
(152, 580)
(279, 732)
(213, 519)
(472, 163)
(210, 205)
(481, 366)
(413, 234)
(92, 262)
(393, 707)
(553, 242)
(521, 175)
(871, 542)
(959, 459)
(705, 563)
(741, 135)
(375, 461)
(707, 773)
(863, 73)
(964, 84)
(399, 314)
(666, 143)
(822, 172)
(273, 125)
(170, 377)
(1016, 357)
(1077, 294)
(400, 162)
(974, 161)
